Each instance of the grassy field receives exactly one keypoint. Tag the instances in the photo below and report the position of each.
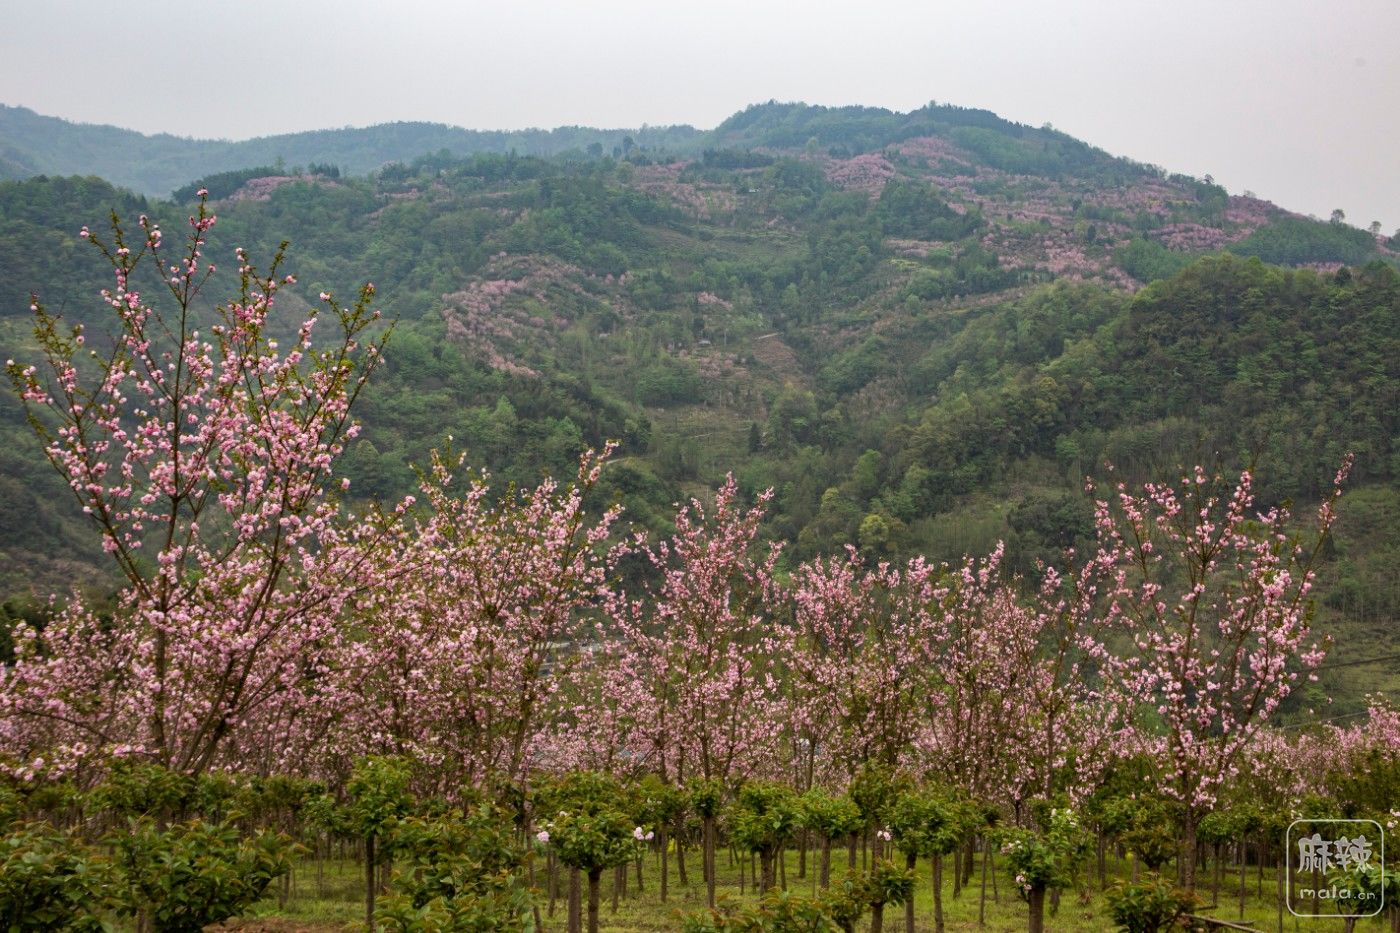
(335, 902)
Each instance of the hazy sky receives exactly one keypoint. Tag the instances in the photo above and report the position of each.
(1296, 100)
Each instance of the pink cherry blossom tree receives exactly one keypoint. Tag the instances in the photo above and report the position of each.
(470, 654)
(201, 449)
(1212, 600)
(859, 651)
(706, 706)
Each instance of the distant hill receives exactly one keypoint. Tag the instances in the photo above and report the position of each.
(157, 165)
(31, 144)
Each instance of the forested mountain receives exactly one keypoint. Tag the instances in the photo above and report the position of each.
(923, 330)
(32, 144)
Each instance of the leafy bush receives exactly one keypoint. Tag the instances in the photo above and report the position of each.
(457, 872)
(1148, 906)
(193, 874)
(48, 881)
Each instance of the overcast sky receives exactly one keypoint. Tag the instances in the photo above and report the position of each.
(1296, 100)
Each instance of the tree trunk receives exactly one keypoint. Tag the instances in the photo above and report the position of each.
(640, 887)
(825, 871)
(617, 885)
(680, 859)
(938, 892)
(552, 881)
(1188, 853)
(1037, 910)
(665, 868)
(1219, 873)
(803, 841)
(709, 861)
(909, 859)
(595, 876)
(851, 851)
(575, 901)
(877, 918)
(1244, 849)
(982, 896)
(369, 882)
(765, 858)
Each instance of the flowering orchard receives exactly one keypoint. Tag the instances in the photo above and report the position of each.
(460, 693)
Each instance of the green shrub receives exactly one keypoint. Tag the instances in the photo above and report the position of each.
(1148, 906)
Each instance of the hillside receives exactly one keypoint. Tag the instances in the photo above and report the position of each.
(156, 165)
(923, 330)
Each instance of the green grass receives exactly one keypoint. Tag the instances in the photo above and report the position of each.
(336, 901)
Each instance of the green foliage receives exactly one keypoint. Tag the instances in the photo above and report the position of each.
(776, 912)
(377, 795)
(49, 881)
(1363, 888)
(1147, 260)
(887, 883)
(913, 209)
(134, 788)
(706, 796)
(764, 816)
(875, 789)
(1145, 826)
(590, 829)
(457, 872)
(1148, 906)
(1290, 241)
(922, 825)
(1046, 859)
(830, 816)
(661, 804)
(185, 877)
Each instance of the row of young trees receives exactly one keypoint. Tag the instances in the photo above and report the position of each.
(266, 629)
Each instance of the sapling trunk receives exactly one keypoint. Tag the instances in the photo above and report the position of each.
(1219, 873)
(909, 860)
(1036, 899)
(1243, 862)
(552, 881)
(665, 868)
(575, 901)
(709, 860)
(1101, 852)
(938, 892)
(825, 870)
(982, 895)
(595, 877)
(680, 859)
(369, 881)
